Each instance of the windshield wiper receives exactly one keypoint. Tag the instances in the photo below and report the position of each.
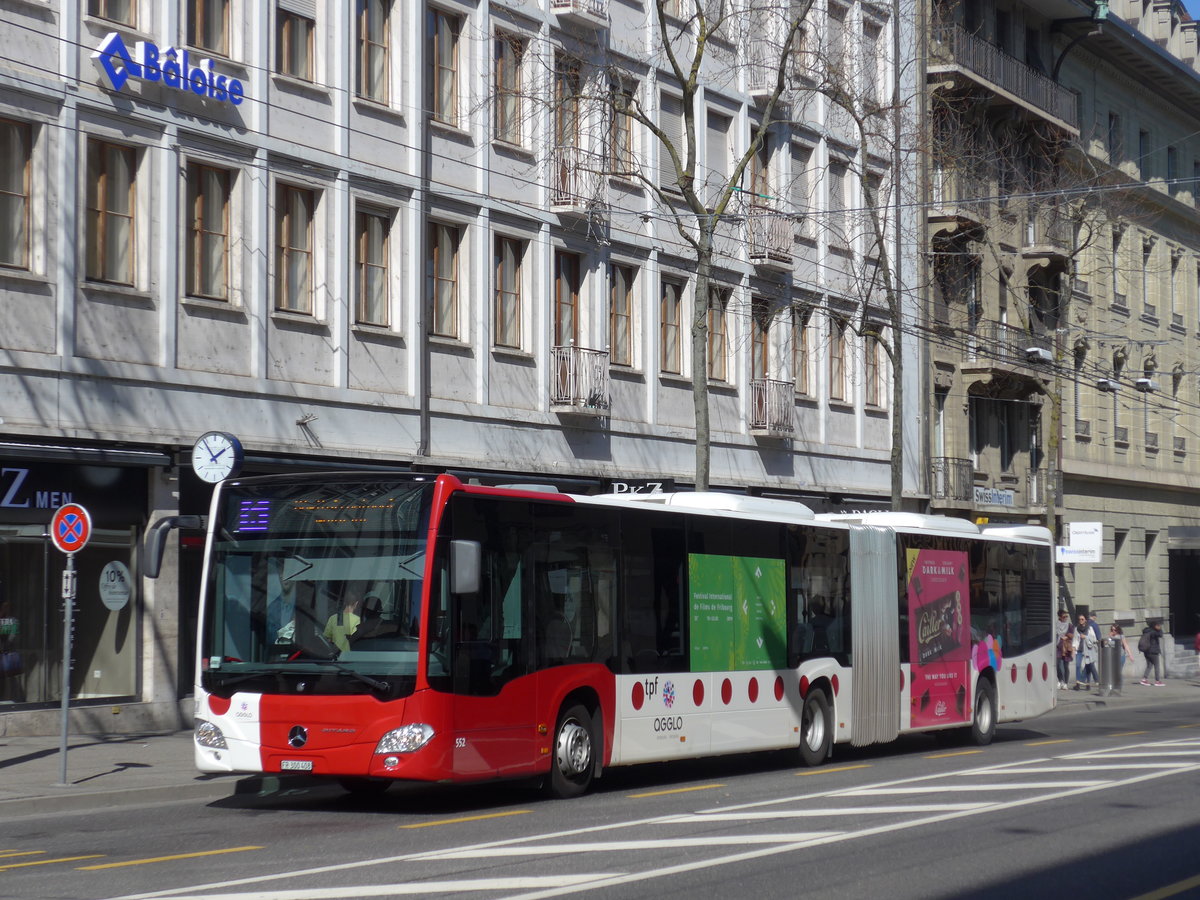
(247, 676)
(343, 669)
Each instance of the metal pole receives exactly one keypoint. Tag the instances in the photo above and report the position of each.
(68, 593)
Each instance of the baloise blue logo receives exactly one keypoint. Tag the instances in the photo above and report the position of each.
(171, 67)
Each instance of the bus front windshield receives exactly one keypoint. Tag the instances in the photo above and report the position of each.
(316, 587)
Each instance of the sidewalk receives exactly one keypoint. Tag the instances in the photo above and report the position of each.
(112, 770)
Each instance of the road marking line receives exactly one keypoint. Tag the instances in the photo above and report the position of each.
(1055, 741)
(1193, 725)
(499, 815)
(46, 862)
(693, 818)
(158, 859)
(9, 854)
(616, 846)
(954, 753)
(1136, 754)
(1171, 890)
(1127, 767)
(420, 888)
(946, 788)
(836, 769)
(700, 787)
(1126, 733)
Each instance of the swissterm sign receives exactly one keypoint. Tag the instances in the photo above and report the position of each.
(174, 68)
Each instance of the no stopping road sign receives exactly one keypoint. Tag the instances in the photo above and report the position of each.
(70, 528)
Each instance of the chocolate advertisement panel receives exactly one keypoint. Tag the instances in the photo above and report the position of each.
(939, 636)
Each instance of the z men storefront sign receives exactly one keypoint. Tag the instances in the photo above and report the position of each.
(173, 68)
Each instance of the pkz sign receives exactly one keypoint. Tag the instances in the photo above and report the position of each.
(173, 68)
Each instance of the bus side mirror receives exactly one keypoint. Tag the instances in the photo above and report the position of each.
(465, 557)
(156, 540)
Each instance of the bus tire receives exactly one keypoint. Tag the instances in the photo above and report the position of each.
(816, 735)
(573, 761)
(983, 718)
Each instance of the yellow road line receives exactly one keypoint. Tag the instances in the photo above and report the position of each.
(1194, 725)
(1126, 733)
(1171, 890)
(955, 753)
(699, 787)
(46, 862)
(158, 859)
(1044, 743)
(837, 769)
(9, 854)
(517, 812)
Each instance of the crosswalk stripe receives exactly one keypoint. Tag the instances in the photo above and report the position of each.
(417, 888)
(1117, 768)
(818, 813)
(948, 788)
(618, 846)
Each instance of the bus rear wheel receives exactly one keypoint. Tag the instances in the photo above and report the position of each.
(815, 733)
(574, 761)
(983, 721)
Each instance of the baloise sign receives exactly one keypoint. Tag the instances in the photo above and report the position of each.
(173, 68)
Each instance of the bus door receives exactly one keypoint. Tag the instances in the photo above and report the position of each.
(487, 653)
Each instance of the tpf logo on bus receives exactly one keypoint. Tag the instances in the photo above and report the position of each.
(170, 66)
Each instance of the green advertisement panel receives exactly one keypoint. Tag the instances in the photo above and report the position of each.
(739, 612)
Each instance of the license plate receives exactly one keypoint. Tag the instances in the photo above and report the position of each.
(296, 765)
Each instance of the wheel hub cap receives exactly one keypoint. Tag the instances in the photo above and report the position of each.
(574, 749)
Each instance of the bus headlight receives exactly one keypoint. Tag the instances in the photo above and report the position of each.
(209, 735)
(405, 740)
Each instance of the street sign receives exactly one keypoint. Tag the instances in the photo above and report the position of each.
(70, 528)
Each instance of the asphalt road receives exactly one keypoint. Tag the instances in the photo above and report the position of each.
(1091, 806)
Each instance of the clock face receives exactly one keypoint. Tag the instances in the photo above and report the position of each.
(216, 456)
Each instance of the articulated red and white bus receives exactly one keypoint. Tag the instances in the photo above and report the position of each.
(371, 628)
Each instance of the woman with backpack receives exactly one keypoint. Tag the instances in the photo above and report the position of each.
(1151, 645)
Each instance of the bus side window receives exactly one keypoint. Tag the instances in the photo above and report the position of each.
(652, 612)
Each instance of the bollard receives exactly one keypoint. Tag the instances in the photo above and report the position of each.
(1110, 668)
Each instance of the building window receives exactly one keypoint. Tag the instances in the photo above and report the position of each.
(567, 284)
(670, 120)
(1115, 142)
(670, 300)
(801, 352)
(568, 86)
(801, 198)
(208, 25)
(620, 315)
(837, 205)
(373, 30)
(16, 160)
(443, 61)
(371, 267)
(760, 338)
(837, 358)
(111, 170)
(510, 53)
(122, 11)
(444, 243)
(294, 54)
(1144, 155)
(208, 237)
(294, 208)
(1172, 169)
(509, 253)
(872, 371)
(718, 304)
(620, 131)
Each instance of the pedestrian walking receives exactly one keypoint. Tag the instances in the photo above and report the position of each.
(1150, 645)
(1064, 650)
(1086, 654)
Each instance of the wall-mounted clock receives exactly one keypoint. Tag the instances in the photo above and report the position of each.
(216, 456)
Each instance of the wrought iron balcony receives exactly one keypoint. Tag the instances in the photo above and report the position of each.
(996, 344)
(578, 182)
(772, 404)
(951, 479)
(579, 381)
(1043, 488)
(1046, 234)
(769, 236)
(959, 197)
(953, 47)
(582, 12)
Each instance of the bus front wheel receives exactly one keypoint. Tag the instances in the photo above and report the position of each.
(815, 733)
(574, 759)
(983, 722)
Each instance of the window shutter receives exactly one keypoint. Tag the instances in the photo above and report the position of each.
(670, 120)
(306, 8)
